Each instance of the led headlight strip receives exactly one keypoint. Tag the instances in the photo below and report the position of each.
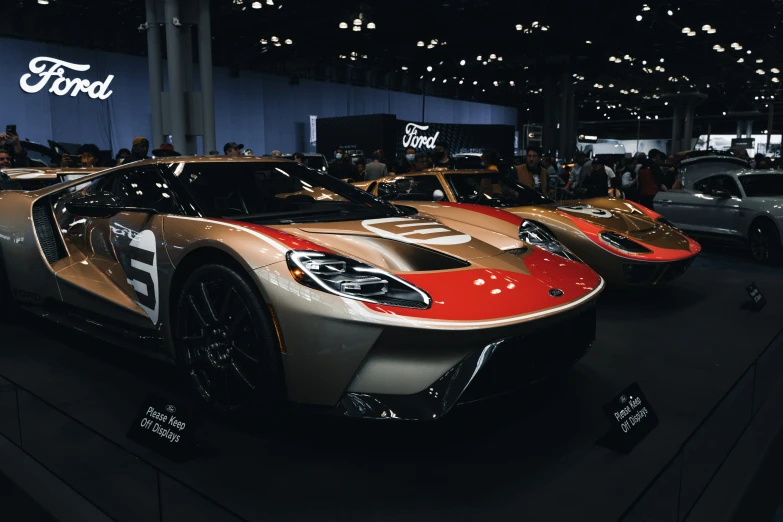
(537, 236)
(352, 279)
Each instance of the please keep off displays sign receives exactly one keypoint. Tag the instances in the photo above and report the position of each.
(631, 417)
(165, 428)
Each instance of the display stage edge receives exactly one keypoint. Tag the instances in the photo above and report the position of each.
(528, 456)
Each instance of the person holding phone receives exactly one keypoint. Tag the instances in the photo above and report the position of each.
(9, 141)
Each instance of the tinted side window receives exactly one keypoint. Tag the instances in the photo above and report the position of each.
(142, 187)
(726, 183)
(418, 188)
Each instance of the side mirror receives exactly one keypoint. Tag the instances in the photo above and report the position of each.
(438, 195)
(100, 205)
(388, 191)
(720, 193)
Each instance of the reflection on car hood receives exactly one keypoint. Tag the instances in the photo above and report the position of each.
(613, 214)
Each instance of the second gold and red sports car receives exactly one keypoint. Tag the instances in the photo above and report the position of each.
(627, 243)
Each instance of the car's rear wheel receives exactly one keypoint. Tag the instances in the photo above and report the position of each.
(764, 239)
(227, 345)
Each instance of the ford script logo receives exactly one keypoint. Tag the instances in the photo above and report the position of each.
(171, 409)
(556, 292)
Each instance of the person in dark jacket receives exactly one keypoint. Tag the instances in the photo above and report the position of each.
(441, 158)
(596, 181)
(342, 168)
(405, 164)
(10, 143)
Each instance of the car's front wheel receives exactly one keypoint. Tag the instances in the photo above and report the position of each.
(764, 239)
(226, 343)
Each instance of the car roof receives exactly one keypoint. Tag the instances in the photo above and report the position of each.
(715, 158)
(207, 159)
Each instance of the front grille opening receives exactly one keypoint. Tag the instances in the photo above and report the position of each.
(46, 229)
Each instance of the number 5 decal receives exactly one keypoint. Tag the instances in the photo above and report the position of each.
(143, 273)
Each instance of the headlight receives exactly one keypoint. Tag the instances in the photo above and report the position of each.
(621, 242)
(354, 280)
(534, 235)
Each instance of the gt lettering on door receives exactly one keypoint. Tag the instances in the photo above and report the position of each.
(143, 273)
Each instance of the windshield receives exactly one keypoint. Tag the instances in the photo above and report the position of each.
(762, 185)
(493, 189)
(281, 193)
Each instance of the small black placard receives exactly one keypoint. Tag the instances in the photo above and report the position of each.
(632, 418)
(757, 299)
(165, 427)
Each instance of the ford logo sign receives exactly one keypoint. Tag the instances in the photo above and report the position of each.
(556, 292)
(171, 409)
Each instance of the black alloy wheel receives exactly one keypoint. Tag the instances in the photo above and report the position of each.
(764, 239)
(227, 345)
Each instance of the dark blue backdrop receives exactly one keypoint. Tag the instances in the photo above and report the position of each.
(261, 111)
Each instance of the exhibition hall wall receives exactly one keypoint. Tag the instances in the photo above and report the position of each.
(261, 111)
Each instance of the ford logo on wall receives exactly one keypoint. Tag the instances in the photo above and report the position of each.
(556, 292)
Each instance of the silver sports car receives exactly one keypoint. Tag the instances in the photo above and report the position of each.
(722, 198)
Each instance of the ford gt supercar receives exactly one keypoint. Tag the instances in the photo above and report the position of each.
(626, 243)
(268, 282)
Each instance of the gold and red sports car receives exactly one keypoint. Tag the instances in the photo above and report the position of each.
(627, 243)
(268, 282)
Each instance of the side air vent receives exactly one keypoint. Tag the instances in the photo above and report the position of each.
(50, 241)
(516, 251)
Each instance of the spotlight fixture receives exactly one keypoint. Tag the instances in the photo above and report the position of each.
(706, 28)
(519, 27)
(760, 71)
(289, 41)
(275, 39)
(475, 82)
(344, 25)
(254, 5)
(404, 68)
(759, 60)
(478, 58)
(749, 51)
(692, 33)
(461, 82)
(588, 42)
(511, 83)
(270, 2)
(775, 70)
(741, 60)
(357, 28)
(645, 7)
(686, 30)
(735, 45)
(418, 44)
(429, 68)
(670, 12)
(371, 25)
(724, 113)
(661, 60)
(492, 56)
(357, 21)
(712, 31)
(462, 62)
(43, 2)
(444, 80)
(638, 18)
(500, 58)
(775, 80)
(263, 41)
(612, 58)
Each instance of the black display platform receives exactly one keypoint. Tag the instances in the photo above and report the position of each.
(531, 456)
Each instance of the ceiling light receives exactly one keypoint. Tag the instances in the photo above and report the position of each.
(462, 62)
(760, 60)
(275, 39)
(712, 31)
(475, 83)
(344, 25)
(666, 103)
(545, 28)
(611, 85)
(611, 59)
(364, 56)
(444, 80)
(716, 47)
(686, 30)
(775, 70)
(254, 5)
(278, 44)
(760, 71)
(511, 83)
(357, 21)
(263, 41)
(705, 28)
(461, 81)
(429, 68)
(371, 25)
(638, 18)
(588, 42)
(519, 27)
(741, 60)
(404, 68)
(492, 56)
(627, 57)
(418, 44)
(483, 63)
(692, 33)
(289, 42)
(270, 2)
(721, 50)
(434, 42)
(534, 24)
(748, 51)
(357, 28)
(669, 12)
(738, 48)
(645, 7)
(661, 60)
(734, 45)
(500, 58)
(775, 80)
(478, 57)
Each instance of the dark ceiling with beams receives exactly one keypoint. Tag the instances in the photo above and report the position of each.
(492, 51)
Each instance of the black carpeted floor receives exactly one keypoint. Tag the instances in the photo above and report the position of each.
(531, 456)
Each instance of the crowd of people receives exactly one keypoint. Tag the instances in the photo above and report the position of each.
(638, 178)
